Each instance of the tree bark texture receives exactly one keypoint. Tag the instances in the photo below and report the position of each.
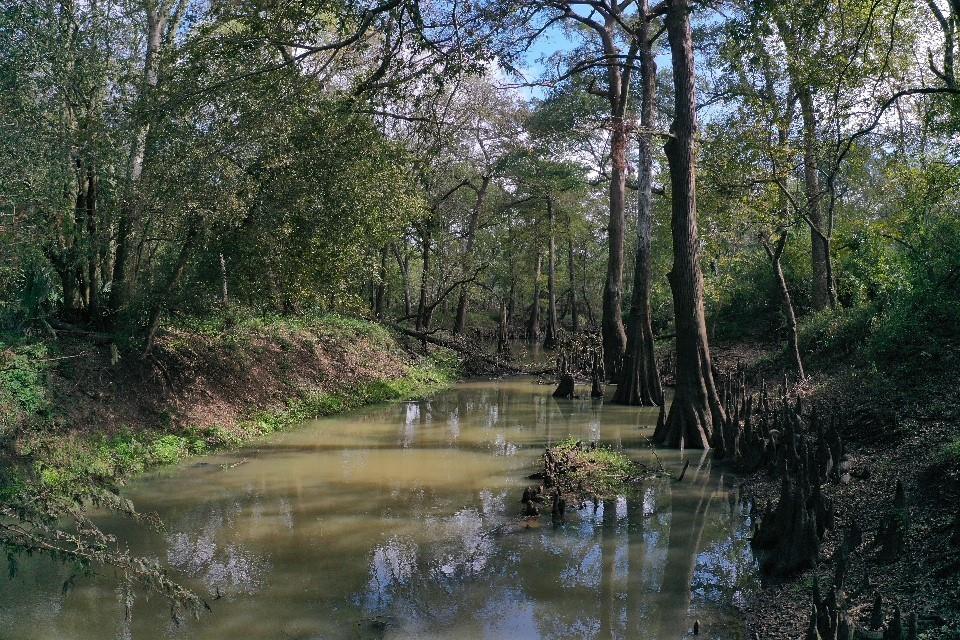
(775, 253)
(533, 323)
(120, 287)
(639, 382)
(423, 320)
(571, 274)
(821, 291)
(460, 324)
(614, 334)
(550, 338)
(696, 406)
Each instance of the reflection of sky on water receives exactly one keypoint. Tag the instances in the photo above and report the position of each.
(619, 549)
(402, 522)
(224, 568)
(453, 424)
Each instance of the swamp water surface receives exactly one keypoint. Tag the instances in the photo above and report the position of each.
(401, 521)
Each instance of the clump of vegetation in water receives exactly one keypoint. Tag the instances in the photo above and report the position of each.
(593, 469)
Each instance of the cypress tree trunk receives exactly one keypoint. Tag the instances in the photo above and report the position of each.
(822, 297)
(533, 324)
(550, 339)
(614, 335)
(639, 379)
(696, 405)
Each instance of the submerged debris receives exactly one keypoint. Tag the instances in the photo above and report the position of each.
(575, 471)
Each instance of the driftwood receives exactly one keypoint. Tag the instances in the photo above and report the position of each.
(497, 363)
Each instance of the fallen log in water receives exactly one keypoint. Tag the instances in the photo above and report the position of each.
(497, 363)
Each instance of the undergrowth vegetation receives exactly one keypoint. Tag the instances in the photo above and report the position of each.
(896, 276)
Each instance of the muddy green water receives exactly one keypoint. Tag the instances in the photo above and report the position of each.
(387, 522)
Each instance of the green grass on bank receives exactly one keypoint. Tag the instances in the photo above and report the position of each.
(38, 450)
(62, 464)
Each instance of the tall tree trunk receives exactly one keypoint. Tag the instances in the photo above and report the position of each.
(120, 286)
(571, 274)
(422, 319)
(460, 324)
(224, 289)
(502, 335)
(403, 263)
(614, 335)
(820, 247)
(93, 248)
(161, 299)
(775, 253)
(533, 323)
(380, 292)
(511, 301)
(551, 338)
(639, 379)
(696, 405)
(591, 318)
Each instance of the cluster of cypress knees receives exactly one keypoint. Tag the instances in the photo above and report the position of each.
(766, 431)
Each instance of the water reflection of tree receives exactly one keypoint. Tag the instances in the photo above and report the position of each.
(200, 548)
(689, 515)
(632, 573)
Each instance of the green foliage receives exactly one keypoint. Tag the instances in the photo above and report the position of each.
(597, 468)
(951, 452)
(23, 393)
(434, 373)
(832, 336)
(50, 475)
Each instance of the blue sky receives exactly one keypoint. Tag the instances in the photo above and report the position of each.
(555, 39)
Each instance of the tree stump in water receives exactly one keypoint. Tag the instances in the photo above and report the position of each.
(531, 497)
(559, 509)
(597, 374)
(567, 387)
